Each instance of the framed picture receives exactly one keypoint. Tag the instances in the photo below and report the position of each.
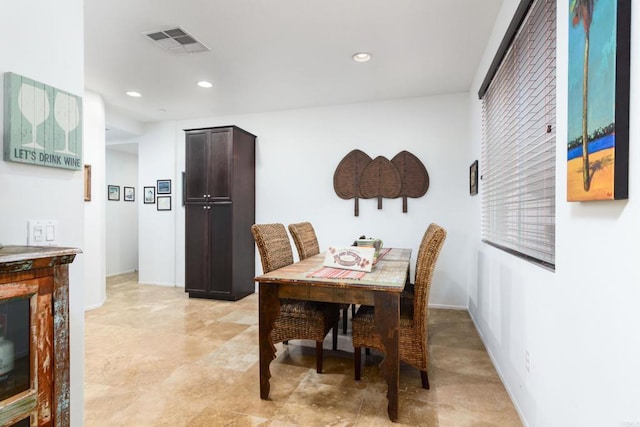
(164, 186)
(473, 178)
(164, 203)
(87, 183)
(129, 194)
(32, 110)
(598, 100)
(149, 195)
(113, 192)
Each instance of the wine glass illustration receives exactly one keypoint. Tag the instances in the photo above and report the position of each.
(34, 105)
(67, 114)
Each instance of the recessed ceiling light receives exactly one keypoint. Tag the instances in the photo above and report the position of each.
(204, 83)
(361, 56)
(134, 94)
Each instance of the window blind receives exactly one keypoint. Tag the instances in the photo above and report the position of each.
(519, 140)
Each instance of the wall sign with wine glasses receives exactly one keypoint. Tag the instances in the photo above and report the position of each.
(42, 124)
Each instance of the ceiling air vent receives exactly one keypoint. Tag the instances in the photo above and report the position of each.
(177, 41)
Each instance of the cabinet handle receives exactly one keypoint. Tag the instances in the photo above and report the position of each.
(204, 207)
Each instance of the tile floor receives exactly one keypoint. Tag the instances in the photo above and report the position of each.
(154, 357)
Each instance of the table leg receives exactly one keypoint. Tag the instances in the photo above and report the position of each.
(388, 327)
(269, 308)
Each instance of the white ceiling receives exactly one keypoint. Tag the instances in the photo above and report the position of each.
(269, 55)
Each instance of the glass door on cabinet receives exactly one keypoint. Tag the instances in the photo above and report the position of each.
(15, 375)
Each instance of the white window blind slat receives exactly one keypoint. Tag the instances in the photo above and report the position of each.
(518, 144)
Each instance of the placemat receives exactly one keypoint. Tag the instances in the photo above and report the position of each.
(337, 273)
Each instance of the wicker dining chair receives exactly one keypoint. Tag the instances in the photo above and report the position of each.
(306, 241)
(413, 312)
(304, 320)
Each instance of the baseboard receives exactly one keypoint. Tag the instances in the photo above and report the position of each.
(450, 307)
(94, 306)
(121, 273)
(167, 284)
(497, 368)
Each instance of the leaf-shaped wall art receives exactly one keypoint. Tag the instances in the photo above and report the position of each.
(380, 179)
(346, 178)
(414, 176)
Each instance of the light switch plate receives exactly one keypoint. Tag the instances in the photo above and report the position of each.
(42, 232)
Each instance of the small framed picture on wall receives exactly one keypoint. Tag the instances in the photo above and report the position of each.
(164, 203)
(113, 192)
(87, 183)
(129, 194)
(473, 178)
(149, 195)
(164, 186)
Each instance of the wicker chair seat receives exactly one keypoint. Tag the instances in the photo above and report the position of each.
(300, 308)
(411, 347)
(304, 320)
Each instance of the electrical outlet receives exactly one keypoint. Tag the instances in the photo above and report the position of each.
(527, 361)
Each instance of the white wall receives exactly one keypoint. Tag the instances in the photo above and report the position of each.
(579, 324)
(121, 215)
(94, 210)
(297, 154)
(121, 124)
(158, 250)
(33, 192)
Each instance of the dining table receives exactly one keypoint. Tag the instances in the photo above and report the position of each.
(310, 280)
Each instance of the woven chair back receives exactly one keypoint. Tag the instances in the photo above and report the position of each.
(274, 246)
(304, 236)
(430, 247)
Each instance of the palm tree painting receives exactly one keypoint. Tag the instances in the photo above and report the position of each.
(582, 12)
(597, 146)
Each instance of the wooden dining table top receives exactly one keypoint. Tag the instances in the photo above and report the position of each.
(388, 274)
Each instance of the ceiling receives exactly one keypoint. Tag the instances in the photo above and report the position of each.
(268, 55)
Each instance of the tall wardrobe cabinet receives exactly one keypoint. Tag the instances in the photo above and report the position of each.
(219, 197)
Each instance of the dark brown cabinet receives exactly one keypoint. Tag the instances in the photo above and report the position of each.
(220, 209)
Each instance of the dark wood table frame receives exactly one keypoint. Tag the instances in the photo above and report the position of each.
(380, 288)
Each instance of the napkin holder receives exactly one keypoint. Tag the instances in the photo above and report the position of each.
(359, 258)
(374, 243)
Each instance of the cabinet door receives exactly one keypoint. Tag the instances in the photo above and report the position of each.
(220, 155)
(221, 260)
(196, 166)
(197, 249)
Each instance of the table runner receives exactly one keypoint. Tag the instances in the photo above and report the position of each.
(382, 253)
(340, 273)
(337, 273)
